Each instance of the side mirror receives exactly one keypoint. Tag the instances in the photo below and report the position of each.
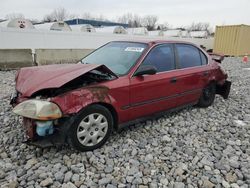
(146, 69)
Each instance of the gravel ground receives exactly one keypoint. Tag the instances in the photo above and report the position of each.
(191, 148)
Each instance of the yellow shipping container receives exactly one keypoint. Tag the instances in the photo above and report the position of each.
(233, 40)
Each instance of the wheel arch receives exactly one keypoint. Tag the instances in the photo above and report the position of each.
(72, 137)
(112, 111)
(208, 94)
(213, 81)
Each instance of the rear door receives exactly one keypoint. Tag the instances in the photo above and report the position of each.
(153, 93)
(193, 72)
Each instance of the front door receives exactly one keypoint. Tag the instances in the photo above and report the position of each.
(154, 93)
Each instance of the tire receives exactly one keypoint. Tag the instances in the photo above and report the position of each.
(208, 95)
(91, 128)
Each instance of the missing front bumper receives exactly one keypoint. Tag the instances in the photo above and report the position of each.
(48, 141)
(58, 138)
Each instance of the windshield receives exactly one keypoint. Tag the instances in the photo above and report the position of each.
(117, 56)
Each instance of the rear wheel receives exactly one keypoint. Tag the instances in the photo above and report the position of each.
(207, 96)
(91, 129)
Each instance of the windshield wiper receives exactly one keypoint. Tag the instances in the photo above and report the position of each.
(84, 62)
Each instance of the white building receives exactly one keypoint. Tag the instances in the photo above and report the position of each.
(111, 29)
(155, 33)
(185, 34)
(172, 33)
(83, 28)
(138, 31)
(20, 23)
(198, 34)
(56, 26)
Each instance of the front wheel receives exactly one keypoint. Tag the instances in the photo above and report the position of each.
(91, 129)
(208, 95)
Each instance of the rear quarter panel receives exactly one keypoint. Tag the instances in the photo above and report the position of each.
(217, 73)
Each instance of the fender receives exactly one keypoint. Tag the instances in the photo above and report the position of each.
(72, 102)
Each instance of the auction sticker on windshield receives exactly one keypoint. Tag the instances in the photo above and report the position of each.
(134, 49)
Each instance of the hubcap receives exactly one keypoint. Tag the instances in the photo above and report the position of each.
(92, 129)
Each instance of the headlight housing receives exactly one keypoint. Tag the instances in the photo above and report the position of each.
(38, 109)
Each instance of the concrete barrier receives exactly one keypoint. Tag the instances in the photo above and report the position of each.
(15, 58)
(58, 56)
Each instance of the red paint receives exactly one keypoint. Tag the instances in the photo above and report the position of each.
(131, 97)
(32, 79)
(73, 102)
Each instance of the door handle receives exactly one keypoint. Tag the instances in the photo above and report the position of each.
(173, 80)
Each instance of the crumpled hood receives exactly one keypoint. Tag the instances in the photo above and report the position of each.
(32, 79)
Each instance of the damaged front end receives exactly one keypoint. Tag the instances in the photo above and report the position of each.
(43, 122)
(54, 133)
(49, 111)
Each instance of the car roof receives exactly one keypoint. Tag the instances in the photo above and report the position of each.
(152, 42)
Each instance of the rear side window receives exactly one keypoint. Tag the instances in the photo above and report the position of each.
(161, 57)
(188, 56)
(203, 59)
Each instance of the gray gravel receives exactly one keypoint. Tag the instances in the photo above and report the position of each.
(192, 148)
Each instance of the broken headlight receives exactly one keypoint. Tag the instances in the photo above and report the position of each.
(38, 109)
(13, 97)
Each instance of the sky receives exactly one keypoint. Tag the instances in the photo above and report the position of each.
(176, 13)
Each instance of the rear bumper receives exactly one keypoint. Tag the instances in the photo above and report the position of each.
(224, 89)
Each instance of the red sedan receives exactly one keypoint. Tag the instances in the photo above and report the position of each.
(118, 84)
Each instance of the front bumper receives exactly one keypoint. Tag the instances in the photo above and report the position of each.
(224, 89)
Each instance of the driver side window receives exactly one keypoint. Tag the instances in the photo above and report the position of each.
(161, 57)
